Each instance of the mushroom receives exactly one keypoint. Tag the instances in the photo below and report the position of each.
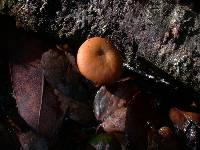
(99, 61)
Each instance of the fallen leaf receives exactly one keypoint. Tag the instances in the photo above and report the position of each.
(35, 100)
(75, 110)
(51, 113)
(110, 104)
(115, 121)
(27, 82)
(31, 141)
(61, 72)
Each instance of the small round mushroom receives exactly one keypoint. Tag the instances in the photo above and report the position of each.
(99, 61)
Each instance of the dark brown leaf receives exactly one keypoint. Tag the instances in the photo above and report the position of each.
(187, 125)
(61, 72)
(51, 112)
(31, 141)
(157, 142)
(27, 81)
(36, 101)
(110, 104)
(116, 121)
(136, 123)
(77, 111)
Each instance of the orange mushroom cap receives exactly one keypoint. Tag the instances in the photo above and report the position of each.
(99, 61)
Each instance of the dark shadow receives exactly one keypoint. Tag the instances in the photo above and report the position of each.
(193, 4)
(160, 83)
(151, 106)
(30, 46)
(19, 46)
